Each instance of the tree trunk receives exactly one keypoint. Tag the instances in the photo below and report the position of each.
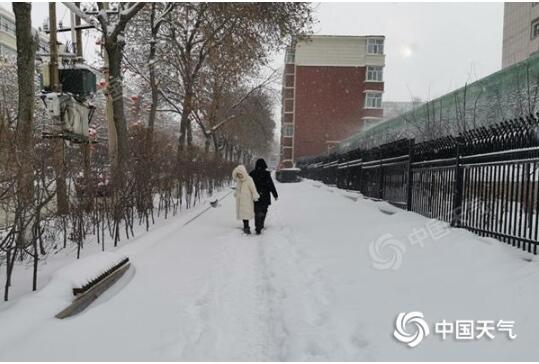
(25, 117)
(153, 84)
(85, 147)
(207, 143)
(215, 145)
(36, 263)
(62, 201)
(185, 123)
(119, 154)
(26, 50)
(88, 188)
(10, 264)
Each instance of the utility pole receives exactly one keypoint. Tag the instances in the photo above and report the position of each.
(111, 127)
(53, 49)
(76, 39)
(78, 36)
(62, 202)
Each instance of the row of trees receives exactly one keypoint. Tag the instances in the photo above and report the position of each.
(186, 98)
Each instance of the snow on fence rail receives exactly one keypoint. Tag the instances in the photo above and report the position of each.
(485, 180)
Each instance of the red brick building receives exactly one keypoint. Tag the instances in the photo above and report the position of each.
(332, 88)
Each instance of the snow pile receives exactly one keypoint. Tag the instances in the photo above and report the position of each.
(87, 270)
(35, 309)
(59, 290)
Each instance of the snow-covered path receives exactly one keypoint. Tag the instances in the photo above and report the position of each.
(304, 290)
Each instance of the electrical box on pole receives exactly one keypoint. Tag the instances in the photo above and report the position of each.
(66, 92)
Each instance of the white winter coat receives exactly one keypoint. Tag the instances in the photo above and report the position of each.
(245, 193)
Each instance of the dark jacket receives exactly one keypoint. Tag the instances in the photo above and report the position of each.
(263, 182)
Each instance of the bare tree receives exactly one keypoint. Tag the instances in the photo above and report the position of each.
(229, 102)
(197, 31)
(26, 49)
(112, 25)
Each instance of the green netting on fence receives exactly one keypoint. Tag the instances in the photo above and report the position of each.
(504, 95)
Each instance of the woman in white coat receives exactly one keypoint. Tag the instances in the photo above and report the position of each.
(246, 195)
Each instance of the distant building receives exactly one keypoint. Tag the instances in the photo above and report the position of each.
(332, 88)
(8, 43)
(520, 32)
(8, 40)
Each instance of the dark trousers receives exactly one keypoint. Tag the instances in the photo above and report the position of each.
(260, 215)
(245, 224)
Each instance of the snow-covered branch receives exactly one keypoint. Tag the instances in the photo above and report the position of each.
(75, 10)
(124, 17)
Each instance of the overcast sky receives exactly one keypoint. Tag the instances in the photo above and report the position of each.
(431, 48)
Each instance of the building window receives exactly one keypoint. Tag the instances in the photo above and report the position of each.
(375, 46)
(288, 105)
(375, 73)
(290, 56)
(7, 51)
(373, 100)
(288, 80)
(288, 130)
(535, 29)
(7, 25)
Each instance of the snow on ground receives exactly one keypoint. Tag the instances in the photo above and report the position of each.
(307, 289)
(59, 257)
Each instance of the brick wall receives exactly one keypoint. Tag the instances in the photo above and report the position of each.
(329, 106)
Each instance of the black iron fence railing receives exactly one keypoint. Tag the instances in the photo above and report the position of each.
(485, 180)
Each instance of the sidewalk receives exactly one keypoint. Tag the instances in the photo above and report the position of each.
(312, 287)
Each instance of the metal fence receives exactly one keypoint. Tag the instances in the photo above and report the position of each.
(485, 180)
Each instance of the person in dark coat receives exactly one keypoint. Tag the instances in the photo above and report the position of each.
(264, 185)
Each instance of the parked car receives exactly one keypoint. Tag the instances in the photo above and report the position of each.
(285, 175)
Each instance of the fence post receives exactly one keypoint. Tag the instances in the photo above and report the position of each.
(381, 180)
(458, 191)
(410, 180)
(358, 177)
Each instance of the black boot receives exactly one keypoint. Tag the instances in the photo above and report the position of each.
(263, 219)
(246, 228)
(260, 217)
